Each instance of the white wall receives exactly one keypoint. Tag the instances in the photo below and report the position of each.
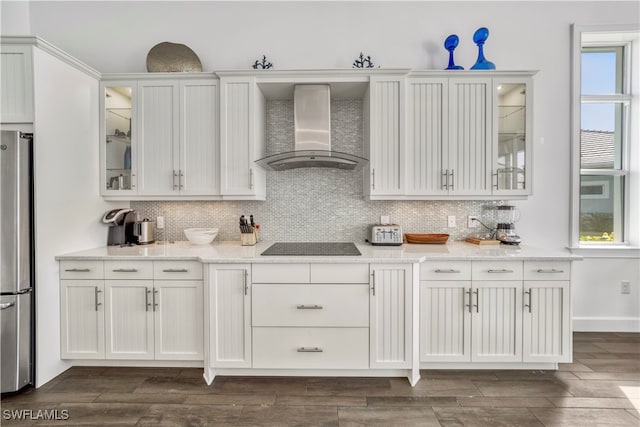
(14, 18)
(68, 205)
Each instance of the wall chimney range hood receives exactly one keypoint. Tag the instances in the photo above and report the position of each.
(312, 119)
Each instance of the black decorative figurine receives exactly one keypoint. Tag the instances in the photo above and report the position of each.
(450, 44)
(264, 65)
(363, 62)
(479, 37)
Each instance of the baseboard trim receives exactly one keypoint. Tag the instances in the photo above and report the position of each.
(606, 324)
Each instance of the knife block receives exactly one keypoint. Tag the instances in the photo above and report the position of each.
(248, 239)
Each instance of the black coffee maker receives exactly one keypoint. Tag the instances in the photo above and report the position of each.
(120, 223)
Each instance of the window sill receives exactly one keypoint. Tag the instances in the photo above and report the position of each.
(606, 251)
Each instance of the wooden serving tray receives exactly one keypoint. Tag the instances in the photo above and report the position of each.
(477, 241)
(432, 239)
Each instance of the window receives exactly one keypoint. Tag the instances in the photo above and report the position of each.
(605, 197)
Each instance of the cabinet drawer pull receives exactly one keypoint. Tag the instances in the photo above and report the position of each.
(180, 176)
(445, 179)
(246, 282)
(146, 299)
(373, 178)
(96, 292)
(310, 350)
(125, 270)
(309, 307)
(175, 270)
(155, 304)
(467, 305)
(175, 175)
(496, 184)
(250, 178)
(451, 188)
(78, 270)
(373, 280)
(551, 270)
(499, 270)
(449, 270)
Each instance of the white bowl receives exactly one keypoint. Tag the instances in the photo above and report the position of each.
(200, 236)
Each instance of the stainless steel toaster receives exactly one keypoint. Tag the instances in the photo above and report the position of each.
(385, 235)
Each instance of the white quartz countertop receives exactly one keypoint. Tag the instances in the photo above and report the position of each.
(233, 252)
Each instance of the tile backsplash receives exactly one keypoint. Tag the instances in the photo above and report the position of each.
(313, 204)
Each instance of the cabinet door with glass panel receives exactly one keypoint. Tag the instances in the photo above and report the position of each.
(118, 138)
(512, 136)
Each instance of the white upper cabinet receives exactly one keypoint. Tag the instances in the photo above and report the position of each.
(468, 150)
(118, 147)
(512, 136)
(426, 135)
(158, 133)
(242, 133)
(16, 84)
(161, 136)
(384, 135)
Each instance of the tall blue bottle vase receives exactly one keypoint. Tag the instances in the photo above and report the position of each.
(479, 37)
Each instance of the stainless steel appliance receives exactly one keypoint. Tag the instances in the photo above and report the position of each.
(385, 235)
(17, 301)
(312, 145)
(121, 223)
(505, 231)
(312, 249)
(145, 231)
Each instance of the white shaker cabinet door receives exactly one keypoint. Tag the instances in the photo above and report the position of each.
(129, 319)
(391, 312)
(445, 321)
(199, 171)
(384, 136)
(242, 138)
(82, 319)
(158, 155)
(16, 81)
(496, 321)
(228, 316)
(547, 314)
(178, 320)
(427, 136)
(468, 161)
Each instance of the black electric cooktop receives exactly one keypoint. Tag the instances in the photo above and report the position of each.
(312, 249)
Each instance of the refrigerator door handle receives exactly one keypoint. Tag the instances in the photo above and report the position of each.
(7, 305)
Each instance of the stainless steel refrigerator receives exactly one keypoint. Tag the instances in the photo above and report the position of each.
(16, 261)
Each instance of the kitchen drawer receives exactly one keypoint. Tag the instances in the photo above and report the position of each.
(445, 270)
(337, 305)
(177, 270)
(280, 273)
(339, 273)
(128, 270)
(496, 270)
(311, 348)
(81, 270)
(547, 270)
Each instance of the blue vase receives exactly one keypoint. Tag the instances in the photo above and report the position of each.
(450, 44)
(479, 37)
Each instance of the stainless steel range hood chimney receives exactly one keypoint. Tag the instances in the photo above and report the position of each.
(312, 118)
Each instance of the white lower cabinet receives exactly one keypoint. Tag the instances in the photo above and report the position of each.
(82, 319)
(391, 316)
(228, 316)
(130, 316)
(493, 313)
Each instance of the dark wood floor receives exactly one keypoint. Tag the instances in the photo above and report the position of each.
(601, 388)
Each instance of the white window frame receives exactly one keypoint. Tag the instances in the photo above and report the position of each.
(609, 35)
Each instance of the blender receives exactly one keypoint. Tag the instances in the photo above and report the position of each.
(505, 231)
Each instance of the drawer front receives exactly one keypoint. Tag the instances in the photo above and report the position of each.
(280, 273)
(115, 270)
(177, 270)
(547, 270)
(445, 270)
(339, 273)
(310, 305)
(496, 270)
(81, 270)
(311, 348)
